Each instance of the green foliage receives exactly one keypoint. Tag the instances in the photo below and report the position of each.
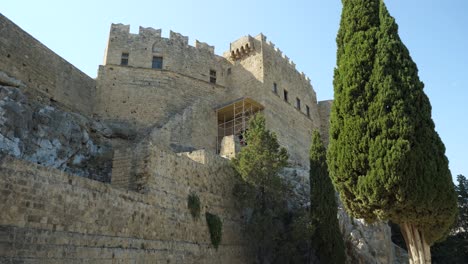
(455, 248)
(260, 161)
(384, 157)
(194, 205)
(294, 237)
(215, 225)
(328, 241)
(462, 193)
(278, 234)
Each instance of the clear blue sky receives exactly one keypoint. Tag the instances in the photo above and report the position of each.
(435, 32)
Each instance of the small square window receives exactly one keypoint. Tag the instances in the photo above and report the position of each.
(212, 76)
(124, 59)
(157, 62)
(298, 103)
(275, 88)
(285, 95)
(307, 110)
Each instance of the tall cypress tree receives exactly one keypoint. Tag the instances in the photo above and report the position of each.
(348, 147)
(385, 158)
(327, 240)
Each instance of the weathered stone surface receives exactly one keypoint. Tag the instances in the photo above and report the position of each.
(50, 214)
(42, 70)
(369, 243)
(298, 179)
(9, 81)
(46, 135)
(230, 145)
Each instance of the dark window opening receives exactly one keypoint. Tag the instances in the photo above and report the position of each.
(307, 110)
(124, 59)
(229, 71)
(285, 95)
(298, 103)
(275, 88)
(157, 62)
(212, 76)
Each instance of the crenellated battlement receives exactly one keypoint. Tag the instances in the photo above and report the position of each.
(285, 58)
(204, 46)
(121, 28)
(148, 49)
(248, 45)
(178, 38)
(151, 34)
(241, 48)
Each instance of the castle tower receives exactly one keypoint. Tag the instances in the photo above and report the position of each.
(181, 93)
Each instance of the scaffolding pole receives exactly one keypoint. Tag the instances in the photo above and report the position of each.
(233, 119)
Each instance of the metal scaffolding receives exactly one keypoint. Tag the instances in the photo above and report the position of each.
(233, 118)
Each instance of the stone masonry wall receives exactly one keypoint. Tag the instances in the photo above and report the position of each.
(194, 128)
(281, 70)
(175, 101)
(148, 97)
(43, 71)
(253, 74)
(178, 56)
(49, 216)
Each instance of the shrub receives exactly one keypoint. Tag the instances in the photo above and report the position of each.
(194, 205)
(215, 225)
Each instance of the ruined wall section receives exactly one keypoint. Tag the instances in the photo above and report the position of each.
(50, 216)
(42, 70)
(178, 56)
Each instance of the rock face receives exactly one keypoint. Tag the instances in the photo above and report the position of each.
(369, 243)
(46, 135)
(365, 243)
(298, 179)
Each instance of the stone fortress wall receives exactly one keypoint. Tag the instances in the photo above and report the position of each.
(180, 57)
(43, 71)
(49, 216)
(142, 217)
(177, 102)
(268, 68)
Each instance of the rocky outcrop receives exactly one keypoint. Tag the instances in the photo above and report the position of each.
(365, 243)
(298, 179)
(47, 135)
(369, 243)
